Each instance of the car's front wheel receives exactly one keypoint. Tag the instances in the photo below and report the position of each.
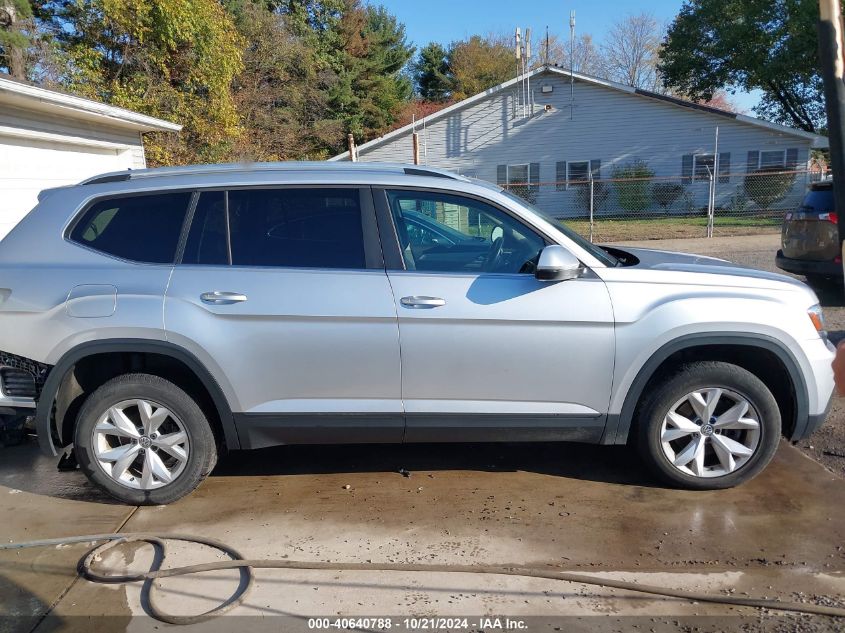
(709, 425)
(144, 440)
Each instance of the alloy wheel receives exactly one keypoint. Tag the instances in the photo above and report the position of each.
(710, 432)
(140, 444)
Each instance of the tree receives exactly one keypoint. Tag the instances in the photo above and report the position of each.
(366, 48)
(721, 101)
(280, 93)
(174, 59)
(371, 87)
(768, 45)
(431, 73)
(586, 57)
(15, 16)
(480, 63)
(630, 52)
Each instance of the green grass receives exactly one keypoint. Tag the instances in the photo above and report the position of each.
(674, 227)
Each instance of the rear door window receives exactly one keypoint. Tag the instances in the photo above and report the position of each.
(283, 227)
(142, 228)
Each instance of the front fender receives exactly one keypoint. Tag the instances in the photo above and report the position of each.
(620, 420)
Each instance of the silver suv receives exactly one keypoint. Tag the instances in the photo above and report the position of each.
(151, 320)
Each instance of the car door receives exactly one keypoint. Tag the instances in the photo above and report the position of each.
(283, 291)
(488, 351)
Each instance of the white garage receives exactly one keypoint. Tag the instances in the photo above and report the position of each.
(49, 139)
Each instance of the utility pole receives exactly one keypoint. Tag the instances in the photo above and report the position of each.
(711, 216)
(528, 70)
(571, 65)
(832, 56)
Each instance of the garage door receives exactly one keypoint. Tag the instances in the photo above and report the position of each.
(27, 167)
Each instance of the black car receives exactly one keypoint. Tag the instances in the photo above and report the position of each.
(810, 237)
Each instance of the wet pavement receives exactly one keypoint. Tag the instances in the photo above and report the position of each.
(569, 507)
(588, 509)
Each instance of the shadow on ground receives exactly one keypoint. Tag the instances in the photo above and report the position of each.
(24, 468)
(611, 464)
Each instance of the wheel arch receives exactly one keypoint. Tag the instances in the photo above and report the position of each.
(46, 425)
(619, 425)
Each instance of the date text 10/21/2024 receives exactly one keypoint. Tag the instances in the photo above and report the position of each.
(486, 623)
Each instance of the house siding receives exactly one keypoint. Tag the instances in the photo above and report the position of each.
(606, 124)
(28, 165)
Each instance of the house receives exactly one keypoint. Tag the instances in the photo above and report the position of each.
(49, 139)
(545, 135)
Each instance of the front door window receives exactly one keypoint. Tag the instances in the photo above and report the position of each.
(447, 233)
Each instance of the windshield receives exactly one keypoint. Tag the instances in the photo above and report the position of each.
(599, 253)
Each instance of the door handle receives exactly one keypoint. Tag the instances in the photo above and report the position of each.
(422, 302)
(218, 298)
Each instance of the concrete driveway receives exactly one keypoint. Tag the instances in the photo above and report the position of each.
(570, 507)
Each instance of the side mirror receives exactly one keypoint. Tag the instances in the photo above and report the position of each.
(557, 264)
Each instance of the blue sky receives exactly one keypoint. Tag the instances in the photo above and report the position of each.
(449, 20)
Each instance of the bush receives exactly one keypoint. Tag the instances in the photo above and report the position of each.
(666, 194)
(635, 194)
(601, 192)
(768, 185)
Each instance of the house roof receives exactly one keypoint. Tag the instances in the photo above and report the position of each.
(34, 98)
(816, 140)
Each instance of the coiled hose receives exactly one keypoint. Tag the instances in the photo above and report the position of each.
(88, 570)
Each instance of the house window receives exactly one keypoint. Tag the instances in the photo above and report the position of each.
(518, 174)
(576, 172)
(698, 167)
(773, 159)
(522, 177)
(702, 166)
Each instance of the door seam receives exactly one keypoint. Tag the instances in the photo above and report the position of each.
(401, 365)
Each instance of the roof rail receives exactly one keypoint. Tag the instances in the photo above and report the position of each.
(99, 180)
(434, 173)
(293, 166)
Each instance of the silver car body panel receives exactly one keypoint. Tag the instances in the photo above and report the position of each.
(304, 341)
(328, 341)
(505, 344)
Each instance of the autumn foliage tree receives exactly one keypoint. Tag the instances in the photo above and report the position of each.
(480, 63)
(174, 59)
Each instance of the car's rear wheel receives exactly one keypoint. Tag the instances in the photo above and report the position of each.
(144, 440)
(710, 425)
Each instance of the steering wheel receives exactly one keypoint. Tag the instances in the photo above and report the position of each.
(491, 262)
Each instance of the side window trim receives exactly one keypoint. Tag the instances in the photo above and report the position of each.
(369, 224)
(186, 227)
(395, 262)
(390, 246)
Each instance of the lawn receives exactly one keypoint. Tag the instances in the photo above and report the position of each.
(616, 230)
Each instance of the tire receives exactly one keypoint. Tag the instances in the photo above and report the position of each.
(710, 467)
(139, 467)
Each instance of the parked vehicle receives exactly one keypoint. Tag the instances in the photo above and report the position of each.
(154, 319)
(810, 244)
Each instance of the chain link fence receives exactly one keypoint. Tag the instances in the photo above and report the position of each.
(634, 205)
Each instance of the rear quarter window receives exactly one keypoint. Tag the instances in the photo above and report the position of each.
(142, 228)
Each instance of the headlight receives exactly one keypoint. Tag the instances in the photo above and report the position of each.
(817, 317)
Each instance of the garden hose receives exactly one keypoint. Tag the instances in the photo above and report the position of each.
(89, 570)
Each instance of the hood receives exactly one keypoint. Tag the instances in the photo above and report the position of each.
(686, 263)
